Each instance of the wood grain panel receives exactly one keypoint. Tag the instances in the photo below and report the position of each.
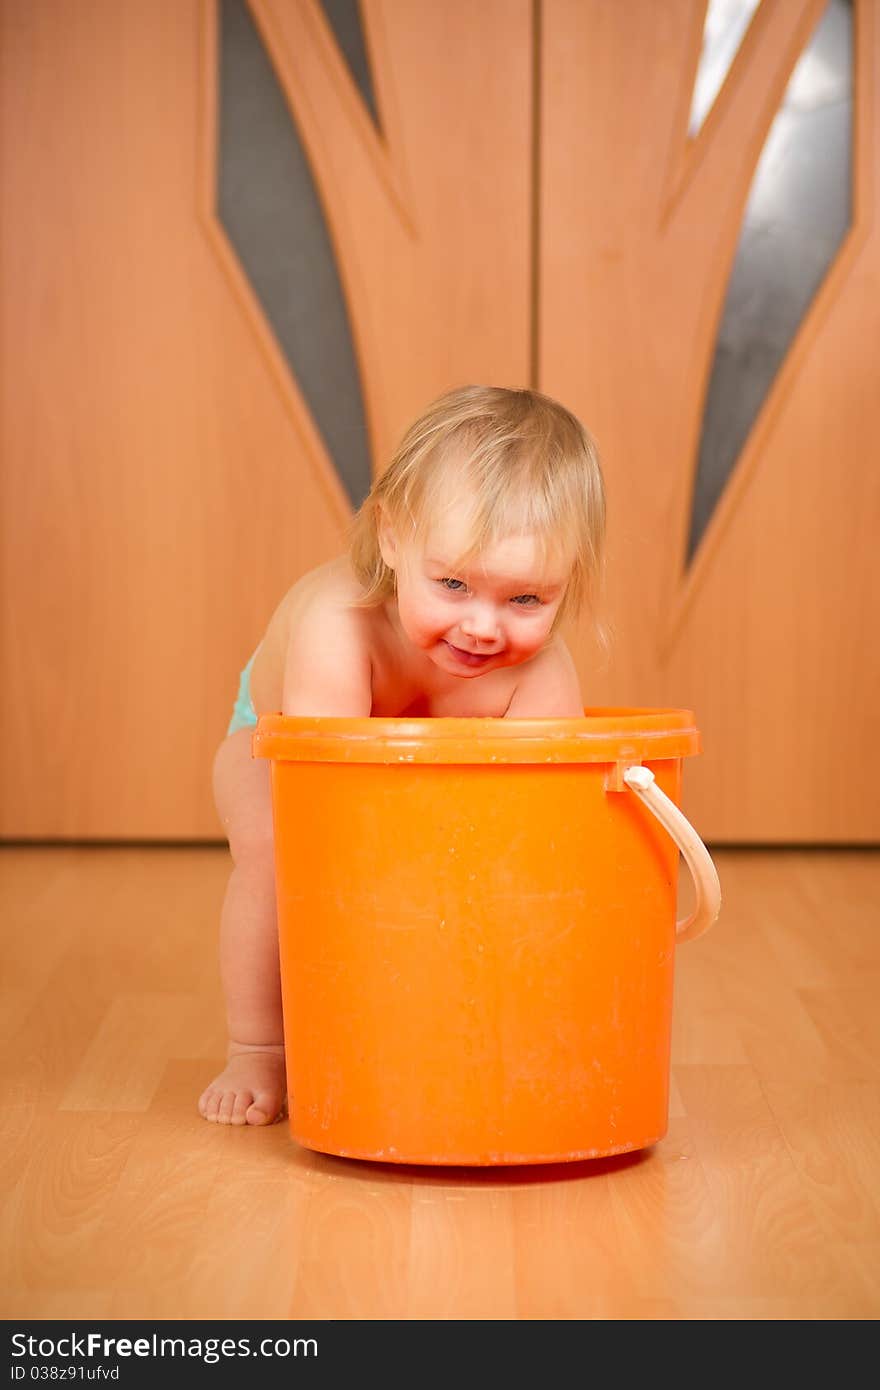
(431, 218)
(147, 435)
(837, 1174)
(760, 1201)
(768, 635)
(163, 482)
(75, 1161)
(461, 1252)
(354, 1246)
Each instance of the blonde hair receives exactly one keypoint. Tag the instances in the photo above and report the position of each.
(529, 465)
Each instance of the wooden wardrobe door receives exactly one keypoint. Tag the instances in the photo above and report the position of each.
(771, 633)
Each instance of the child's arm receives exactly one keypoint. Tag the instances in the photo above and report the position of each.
(548, 687)
(327, 669)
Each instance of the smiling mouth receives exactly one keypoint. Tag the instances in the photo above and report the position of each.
(469, 658)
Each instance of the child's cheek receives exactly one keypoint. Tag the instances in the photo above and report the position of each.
(437, 614)
(532, 636)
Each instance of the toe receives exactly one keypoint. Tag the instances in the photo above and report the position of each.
(225, 1108)
(240, 1108)
(256, 1115)
(208, 1103)
(265, 1108)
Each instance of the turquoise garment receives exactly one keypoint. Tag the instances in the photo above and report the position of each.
(244, 716)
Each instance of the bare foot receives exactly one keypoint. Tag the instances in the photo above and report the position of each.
(251, 1091)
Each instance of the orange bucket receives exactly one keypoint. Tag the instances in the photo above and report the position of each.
(477, 931)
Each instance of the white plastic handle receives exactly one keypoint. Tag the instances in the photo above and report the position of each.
(696, 856)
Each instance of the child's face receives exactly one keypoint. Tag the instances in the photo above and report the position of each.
(498, 612)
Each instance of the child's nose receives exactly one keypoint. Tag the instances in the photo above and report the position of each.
(480, 624)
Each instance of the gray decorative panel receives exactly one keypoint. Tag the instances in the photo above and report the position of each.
(799, 210)
(723, 29)
(271, 212)
(345, 20)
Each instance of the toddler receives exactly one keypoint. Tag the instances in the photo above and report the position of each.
(483, 534)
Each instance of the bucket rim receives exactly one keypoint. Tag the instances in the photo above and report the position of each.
(604, 734)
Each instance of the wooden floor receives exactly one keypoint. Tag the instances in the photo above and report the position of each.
(118, 1201)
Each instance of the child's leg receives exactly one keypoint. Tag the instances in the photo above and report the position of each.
(251, 1088)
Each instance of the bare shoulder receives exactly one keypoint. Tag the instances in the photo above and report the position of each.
(315, 654)
(323, 592)
(327, 658)
(328, 605)
(548, 686)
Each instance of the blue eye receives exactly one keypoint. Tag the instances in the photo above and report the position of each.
(458, 585)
